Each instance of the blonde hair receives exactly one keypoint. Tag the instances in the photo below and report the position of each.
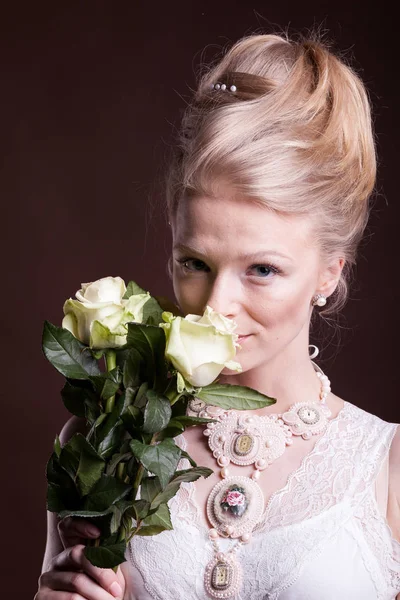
(296, 136)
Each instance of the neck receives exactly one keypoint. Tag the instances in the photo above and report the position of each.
(288, 377)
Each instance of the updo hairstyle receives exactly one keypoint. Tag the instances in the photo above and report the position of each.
(295, 136)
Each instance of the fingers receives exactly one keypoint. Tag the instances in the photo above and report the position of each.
(73, 531)
(72, 583)
(72, 571)
(47, 594)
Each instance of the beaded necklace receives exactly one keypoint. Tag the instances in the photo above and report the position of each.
(235, 505)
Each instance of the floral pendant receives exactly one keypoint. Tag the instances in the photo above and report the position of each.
(223, 576)
(235, 506)
(307, 418)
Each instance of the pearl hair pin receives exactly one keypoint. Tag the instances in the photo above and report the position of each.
(223, 87)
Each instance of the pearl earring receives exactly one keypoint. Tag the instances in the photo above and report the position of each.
(319, 300)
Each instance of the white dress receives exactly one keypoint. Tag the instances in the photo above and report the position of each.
(323, 535)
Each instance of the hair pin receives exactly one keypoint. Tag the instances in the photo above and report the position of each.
(223, 87)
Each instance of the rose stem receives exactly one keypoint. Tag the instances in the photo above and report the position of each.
(111, 363)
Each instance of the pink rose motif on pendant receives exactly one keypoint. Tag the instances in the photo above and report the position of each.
(234, 501)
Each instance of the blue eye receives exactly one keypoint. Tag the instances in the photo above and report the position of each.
(265, 270)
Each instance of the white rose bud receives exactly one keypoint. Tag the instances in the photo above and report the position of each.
(99, 315)
(200, 347)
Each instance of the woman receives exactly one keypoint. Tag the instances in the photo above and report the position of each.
(267, 199)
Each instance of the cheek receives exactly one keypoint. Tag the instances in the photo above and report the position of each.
(191, 296)
(284, 306)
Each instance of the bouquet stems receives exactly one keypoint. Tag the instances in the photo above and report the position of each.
(111, 363)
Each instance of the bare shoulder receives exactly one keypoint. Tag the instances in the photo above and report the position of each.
(53, 541)
(335, 404)
(393, 515)
(72, 426)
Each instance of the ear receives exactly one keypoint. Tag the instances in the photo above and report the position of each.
(329, 276)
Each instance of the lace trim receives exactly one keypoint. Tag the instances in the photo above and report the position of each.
(333, 485)
(312, 489)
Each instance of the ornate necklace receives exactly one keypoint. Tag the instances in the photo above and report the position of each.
(236, 504)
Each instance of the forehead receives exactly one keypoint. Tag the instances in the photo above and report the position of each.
(228, 222)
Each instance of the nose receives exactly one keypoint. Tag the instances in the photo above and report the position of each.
(224, 296)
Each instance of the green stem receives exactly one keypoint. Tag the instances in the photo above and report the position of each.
(137, 482)
(171, 392)
(140, 472)
(121, 468)
(111, 363)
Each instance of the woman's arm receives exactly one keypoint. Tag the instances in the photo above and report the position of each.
(53, 542)
(393, 513)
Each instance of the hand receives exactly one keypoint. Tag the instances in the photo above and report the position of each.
(72, 576)
(74, 531)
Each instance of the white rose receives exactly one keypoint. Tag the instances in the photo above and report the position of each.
(99, 315)
(200, 347)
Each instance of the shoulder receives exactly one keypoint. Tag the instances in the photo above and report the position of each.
(394, 485)
(72, 426)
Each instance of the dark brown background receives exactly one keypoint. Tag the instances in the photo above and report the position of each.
(90, 94)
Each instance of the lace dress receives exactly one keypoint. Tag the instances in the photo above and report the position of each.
(322, 536)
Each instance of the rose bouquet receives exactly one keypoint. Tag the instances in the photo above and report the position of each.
(131, 368)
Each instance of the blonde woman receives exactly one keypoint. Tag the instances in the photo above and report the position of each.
(267, 200)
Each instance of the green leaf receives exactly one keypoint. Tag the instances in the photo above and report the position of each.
(111, 433)
(132, 369)
(149, 341)
(132, 418)
(81, 400)
(150, 488)
(115, 460)
(85, 514)
(188, 457)
(173, 486)
(55, 501)
(133, 289)
(141, 398)
(118, 510)
(236, 397)
(152, 312)
(161, 459)
(107, 383)
(108, 490)
(67, 354)
(106, 557)
(161, 518)
(109, 430)
(150, 530)
(157, 412)
(140, 508)
(82, 462)
(188, 421)
(61, 488)
(173, 429)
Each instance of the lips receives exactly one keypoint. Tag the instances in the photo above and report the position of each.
(243, 337)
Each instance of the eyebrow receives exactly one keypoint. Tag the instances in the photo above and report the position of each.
(252, 256)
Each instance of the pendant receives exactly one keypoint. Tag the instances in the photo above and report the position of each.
(199, 408)
(223, 576)
(307, 418)
(245, 440)
(235, 506)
